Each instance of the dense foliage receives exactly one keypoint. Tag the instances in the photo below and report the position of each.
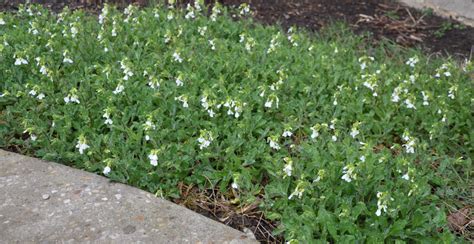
(338, 141)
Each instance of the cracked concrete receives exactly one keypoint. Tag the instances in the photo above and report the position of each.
(45, 202)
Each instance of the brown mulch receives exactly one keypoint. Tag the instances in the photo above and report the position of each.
(223, 208)
(462, 222)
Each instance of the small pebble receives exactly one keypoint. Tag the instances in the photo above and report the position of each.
(45, 196)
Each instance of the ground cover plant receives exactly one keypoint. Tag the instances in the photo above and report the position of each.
(336, 141)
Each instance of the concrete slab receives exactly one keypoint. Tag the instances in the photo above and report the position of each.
(461, 10)
(45, 202)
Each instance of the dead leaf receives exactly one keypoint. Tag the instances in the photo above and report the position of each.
(457, 220)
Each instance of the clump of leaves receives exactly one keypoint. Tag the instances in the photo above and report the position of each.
(338, 143)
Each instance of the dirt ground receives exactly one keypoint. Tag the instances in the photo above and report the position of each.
(382, 19)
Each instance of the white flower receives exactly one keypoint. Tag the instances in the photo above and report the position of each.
(203, 143)
(334, 138)
(444, 118)
(298, 192)
(32, 93)
(183, 99)
(153, 158)
(242, 38)
(106, 115)
(154, 83)
(235, 185)
(237, 112)
(409, 104)
(20, 61)
(108, 121)
(33, 137)
(197, 6)
(205, 139)
(348, 173)
(447, 74)
(425, 99)
(354, 132)
(346, 177)
(410, 146)
(378, 212)
(405, 136)
(332, 126)
(287, 134)
(288, 166)
(268, 104)
(211, 113)
(75, 99)
(270, 100)
(118, 89)
(41, 96)
(245, 9)
(74, 31)
(202, 30)
(82, 146)
(106, 170)
(204, 102)
(406, 177)
(67, 60)
(101, 18)
(177, 58)
(412, 61)
(179, 82)
(451, 92)
(190, 15)
(43, 70)
(215, 12)
(127, 71)
(382, 202)
(273, 144)
(170, 16)
(2, 22)
(396, 95)
(212, 44)
(71, 99)
(314, 133)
